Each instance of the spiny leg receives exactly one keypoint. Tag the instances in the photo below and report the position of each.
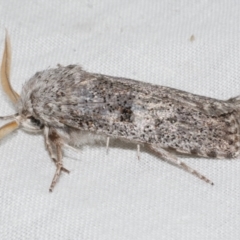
(50, 148)
(59, 165)
(171, 158)
(138, 151)
(55, 157)
(107, 144)
(48, 144)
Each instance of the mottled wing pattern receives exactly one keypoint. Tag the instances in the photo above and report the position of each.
(146, 113)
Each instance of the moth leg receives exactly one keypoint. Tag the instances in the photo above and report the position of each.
(59, 165)
(54, 146)
(107, 144)
(171, 158)
(138, 151)
(50, 148)
(53, 156)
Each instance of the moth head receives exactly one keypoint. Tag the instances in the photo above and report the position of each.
(26, 121)
(30, 123)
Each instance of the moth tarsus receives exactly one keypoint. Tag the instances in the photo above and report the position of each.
(107, 144)
(138, 151)
(75, 107)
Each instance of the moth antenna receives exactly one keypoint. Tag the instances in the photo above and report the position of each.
(5, 71)
(9, 117)
(8, 128)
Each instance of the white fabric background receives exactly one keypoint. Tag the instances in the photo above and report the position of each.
(116, 196)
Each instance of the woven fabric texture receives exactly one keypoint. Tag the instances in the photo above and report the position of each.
(189, 45)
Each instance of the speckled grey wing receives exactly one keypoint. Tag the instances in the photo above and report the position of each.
(152, 114)
(198, 125)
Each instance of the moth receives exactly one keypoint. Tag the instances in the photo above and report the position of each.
(71, 107)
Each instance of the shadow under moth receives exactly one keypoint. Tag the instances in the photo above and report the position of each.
(68, 105)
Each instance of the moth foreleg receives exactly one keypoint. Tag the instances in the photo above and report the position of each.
(55, 152)
(171, 158)
(59, 165)
(49, 147)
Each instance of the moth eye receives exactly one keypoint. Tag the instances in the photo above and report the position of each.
(36, 122)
